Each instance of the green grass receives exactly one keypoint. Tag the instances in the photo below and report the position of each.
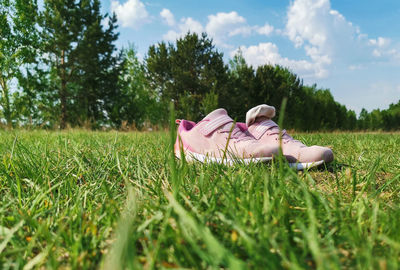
(117, 200)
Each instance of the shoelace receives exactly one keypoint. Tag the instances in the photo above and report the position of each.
(237, 134)
(224, 124)
(274, 130)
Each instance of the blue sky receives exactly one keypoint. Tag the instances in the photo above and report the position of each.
(350, 47)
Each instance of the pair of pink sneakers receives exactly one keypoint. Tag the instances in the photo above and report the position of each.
(215, 139)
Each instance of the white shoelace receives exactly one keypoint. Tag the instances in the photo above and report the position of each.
(273, 129)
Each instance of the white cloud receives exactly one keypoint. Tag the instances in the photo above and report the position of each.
(330, 42)
(223, 25)
(132, 13)
(168, 17)
(243, 30)
(380, 42)
(322, 32)
(268, 53)
(376, 53)
(355, 67)
(185, 25)
(383, 50)
(220, 27)
(219, 22)
(191, 24)
(329, 39)
(265, 30)
(389, 55)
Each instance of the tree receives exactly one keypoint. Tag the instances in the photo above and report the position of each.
(351, 120)
(19, 38)
(388, 119)
(25, 101)
(364, 119)
(158, 71)
(79, 52)
(98, 65)
(186, 72)
(37, 101)
(62, 29)
(135, 102)
(237, 96)
(272, 84)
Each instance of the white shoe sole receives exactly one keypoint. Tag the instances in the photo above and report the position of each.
(306, 165)
(191, 156)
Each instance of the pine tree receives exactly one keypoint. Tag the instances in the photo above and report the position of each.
(18, 41)
(98, 64)
(186, 72)
(80, 53)
(237, 96)
(62, 29)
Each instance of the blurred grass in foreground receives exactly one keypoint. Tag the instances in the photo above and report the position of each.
(116, 200)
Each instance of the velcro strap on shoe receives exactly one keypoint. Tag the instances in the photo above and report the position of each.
(262, 128)
(213, 125)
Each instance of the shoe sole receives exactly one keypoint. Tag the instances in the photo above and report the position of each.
(191, 156)
(306, 165)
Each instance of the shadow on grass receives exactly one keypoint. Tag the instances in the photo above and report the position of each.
(332, 167)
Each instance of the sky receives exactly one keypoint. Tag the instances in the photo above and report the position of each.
(349, 47)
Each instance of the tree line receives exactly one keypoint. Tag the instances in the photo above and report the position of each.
(59, 67)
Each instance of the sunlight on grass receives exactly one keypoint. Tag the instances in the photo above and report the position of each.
(116, 200)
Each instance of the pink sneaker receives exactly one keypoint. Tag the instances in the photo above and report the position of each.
(266, 131)
(207, 140)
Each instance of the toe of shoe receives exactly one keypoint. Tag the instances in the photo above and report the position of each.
(322, 153)
(327, 155)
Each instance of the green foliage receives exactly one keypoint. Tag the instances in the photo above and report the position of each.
(60, 67)
(18, 44)
(308, 108)
(236, 97)
(62, 29)
(37, 103)
(80, 55)
(136, 103)
(97, 67)
(209, 102)
(89, 200)
(388, 119)
(186, 72)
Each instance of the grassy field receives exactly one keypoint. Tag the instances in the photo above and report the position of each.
(111, 200)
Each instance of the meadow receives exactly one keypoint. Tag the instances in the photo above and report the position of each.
(111, 200)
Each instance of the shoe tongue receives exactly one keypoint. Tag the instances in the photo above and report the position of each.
(261, 111)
